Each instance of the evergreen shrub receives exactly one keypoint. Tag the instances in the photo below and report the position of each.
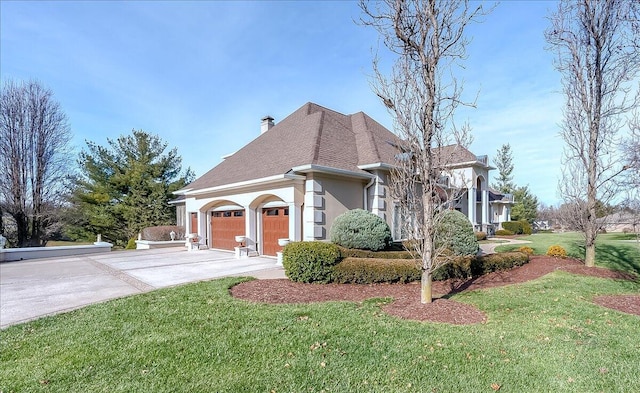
(459, 267)
(131, 244)
(376, 270)
(360, 229)
(455, 233)
(502, 261)
(356, 253)
(521, 227)
(310, 261)
(504, 232)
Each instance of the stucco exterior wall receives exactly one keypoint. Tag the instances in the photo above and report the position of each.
(340, 195)
(252, 200)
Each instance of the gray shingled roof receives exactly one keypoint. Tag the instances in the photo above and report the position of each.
(312, 135)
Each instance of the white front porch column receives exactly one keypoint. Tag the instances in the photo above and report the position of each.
(471, 205)
(485, 207)
(295, 221)
(251, 228)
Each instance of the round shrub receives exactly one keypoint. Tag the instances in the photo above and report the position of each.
(526, 250)
(131, 245)
(455, 233)
(481, 236)
(360, 229)
(310, 261)
(556, 251)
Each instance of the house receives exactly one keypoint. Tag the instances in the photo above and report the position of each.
(622, 221)
(297, 176)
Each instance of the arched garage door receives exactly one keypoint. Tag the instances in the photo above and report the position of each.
(275, 225)
(225, 226)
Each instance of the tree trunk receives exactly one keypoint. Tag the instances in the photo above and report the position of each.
(590, 257)
(426, 295)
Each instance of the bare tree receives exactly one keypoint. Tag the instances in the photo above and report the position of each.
(631, 181)
(34, 159)
(598, 57)
(421, 94)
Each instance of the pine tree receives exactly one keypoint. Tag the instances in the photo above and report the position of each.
(126, 186)
(504, 164)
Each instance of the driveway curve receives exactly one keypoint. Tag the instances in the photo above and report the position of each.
(35, 288)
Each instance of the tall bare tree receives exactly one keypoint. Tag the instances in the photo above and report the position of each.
(631, 181)
(421, 94)
(598, 57)
(34, 159)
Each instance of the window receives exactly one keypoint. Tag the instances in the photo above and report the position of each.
(239, 213)
(272, 212)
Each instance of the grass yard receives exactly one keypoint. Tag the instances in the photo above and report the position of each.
(613, 250)
(541, 336)
(54, 243)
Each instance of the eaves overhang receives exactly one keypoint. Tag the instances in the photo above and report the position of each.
(244, 184)
(377, 165)
(309, 168)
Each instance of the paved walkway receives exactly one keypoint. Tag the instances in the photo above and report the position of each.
(35, 288)
(490, 248)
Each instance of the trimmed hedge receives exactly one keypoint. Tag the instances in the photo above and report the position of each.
(481, 236)
(356, 253)
(360, 229)
(461, 267)
(376, 270)
(503, 261)
(310, 261)
(504, 232)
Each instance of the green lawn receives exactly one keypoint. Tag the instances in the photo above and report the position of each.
(54, 243)
(542, 336)
(613, 251)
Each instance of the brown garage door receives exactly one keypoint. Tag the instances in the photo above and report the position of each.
(275, 225)
(225, 226)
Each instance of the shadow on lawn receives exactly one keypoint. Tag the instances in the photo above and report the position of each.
(619, 257)
(615, 257)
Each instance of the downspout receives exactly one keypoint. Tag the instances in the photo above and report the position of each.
(366, 196)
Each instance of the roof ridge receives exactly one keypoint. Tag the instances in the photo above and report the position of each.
(368, 136)
(318, 138)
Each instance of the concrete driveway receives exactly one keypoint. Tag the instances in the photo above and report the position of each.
(39, 287)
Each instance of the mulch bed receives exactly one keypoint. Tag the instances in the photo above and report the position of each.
(406, 297)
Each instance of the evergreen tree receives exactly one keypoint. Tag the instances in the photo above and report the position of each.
(504, 164)
(526, 205)
(127, 185)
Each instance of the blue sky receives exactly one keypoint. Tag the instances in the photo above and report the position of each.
(202, 74)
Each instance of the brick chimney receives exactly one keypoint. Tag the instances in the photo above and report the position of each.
(266, 124)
